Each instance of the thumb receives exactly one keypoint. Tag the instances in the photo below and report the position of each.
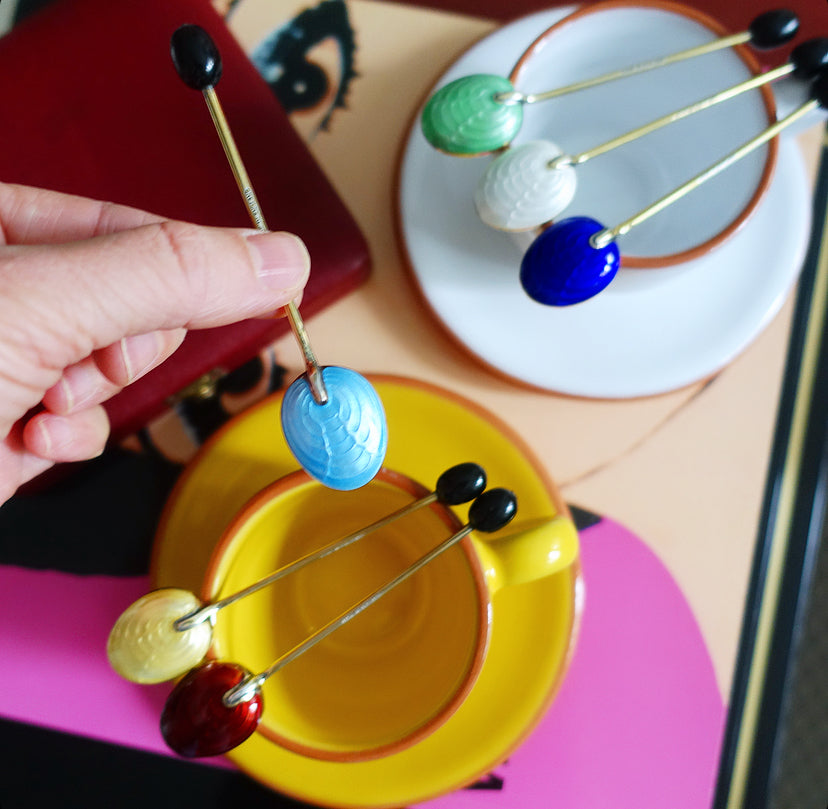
(166, 275)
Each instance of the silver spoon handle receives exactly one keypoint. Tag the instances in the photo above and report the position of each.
(245, 689)
(603, 237)
(297, 325)
(209, 610)
(689, 53)
(677, 115)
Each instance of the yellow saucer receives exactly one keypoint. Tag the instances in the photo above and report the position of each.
(533, 625)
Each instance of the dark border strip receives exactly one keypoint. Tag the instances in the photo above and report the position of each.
(42, 768)
(791, 505)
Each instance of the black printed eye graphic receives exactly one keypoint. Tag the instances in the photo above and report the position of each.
(292, 61)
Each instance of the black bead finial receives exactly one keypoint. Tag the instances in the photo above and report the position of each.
(819, 90)
(196, 57)
(492, 510)
(810, 58)
(460, 483)
(773, 28)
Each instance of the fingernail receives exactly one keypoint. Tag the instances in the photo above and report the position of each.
(284, 262)
(139, 353)
(44, 436)
(68, 394)
(56, 435)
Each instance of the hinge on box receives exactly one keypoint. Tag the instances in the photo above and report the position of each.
(204, 387)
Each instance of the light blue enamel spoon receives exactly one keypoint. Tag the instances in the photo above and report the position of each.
(332, 417)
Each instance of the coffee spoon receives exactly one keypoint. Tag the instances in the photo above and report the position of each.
(483, 112)
(217, 705)
(168, 631)
(576, 258)
(332, 417)
(533, 183)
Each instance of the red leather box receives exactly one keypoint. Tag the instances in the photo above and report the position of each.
(92, 105)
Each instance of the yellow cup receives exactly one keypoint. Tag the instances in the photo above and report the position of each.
(401, 668)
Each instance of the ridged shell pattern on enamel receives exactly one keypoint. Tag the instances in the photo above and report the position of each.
(563, 267)
(341, 443)
(465, 117)
(145, 647)
(521, 191)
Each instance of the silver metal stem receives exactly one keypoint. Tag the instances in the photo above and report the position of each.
(247, 688)
(677, 115)
(209, 610)
(605, 236)
(297, 326)
(689, 53)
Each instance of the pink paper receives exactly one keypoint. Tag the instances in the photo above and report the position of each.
(53, 646)
(637, 723)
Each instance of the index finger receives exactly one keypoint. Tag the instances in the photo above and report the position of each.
(37, 216)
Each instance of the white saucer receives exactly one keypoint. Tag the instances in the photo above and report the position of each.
(650, 331)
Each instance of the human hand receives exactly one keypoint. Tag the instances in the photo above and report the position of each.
(94, 295)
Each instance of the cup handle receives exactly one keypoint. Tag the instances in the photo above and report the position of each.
(531, 550)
